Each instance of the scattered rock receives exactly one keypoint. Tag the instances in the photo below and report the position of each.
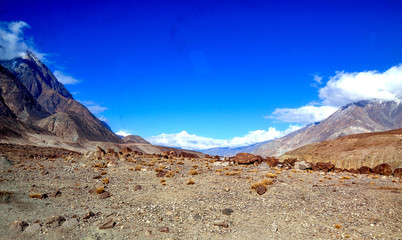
(365, 170)
(289, 162)
(398, 172)
(164, 229)
(137, 187)
(104, 195)
(5, 196)
(221, 223)
(324, 166)
(56, 194)
(161, 174)
(247, 158)
(383, 169)
(88, 215)
(274, 227)
(107, 225)
(303, 165)
(55, 221)
(227, 211)
(33, 228)
(19, 225)
(261, 189)
(227, 189)
(148, 233)
(197, 217)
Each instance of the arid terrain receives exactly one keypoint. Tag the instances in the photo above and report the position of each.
(58, 194)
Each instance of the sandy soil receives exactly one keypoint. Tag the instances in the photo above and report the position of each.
(219, 205)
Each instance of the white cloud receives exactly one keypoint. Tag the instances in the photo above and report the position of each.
(12, 41)
(93, 107)
(192, 141)
(65, 79)
(303, 115)
(317, 78)
(345, 88)
(123, 133)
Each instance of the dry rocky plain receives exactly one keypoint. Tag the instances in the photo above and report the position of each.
(57, 194)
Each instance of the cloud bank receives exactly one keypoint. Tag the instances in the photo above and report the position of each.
(345, 88)
(65, 79)
(13, 43)
(194, 142)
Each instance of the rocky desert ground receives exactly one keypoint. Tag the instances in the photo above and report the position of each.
(48, 193)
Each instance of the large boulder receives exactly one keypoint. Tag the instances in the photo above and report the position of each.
(303, 165)
(272, 161)
(247, 158)
(383, 169)
(398, 172)
(324, 166)
(365, 170)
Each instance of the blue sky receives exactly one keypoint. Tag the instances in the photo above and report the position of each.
(228, 74)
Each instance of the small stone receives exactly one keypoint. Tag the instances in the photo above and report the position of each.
(227, 211)
(44, 173)
(104, 195)
(148, 233)
(97, 177)
(56, 194)
(92, 191)
(164, 229)
(70, 223)
(88, 215)
(221, 223)
(55, 221)
(19, 225)
(161, 174)
(33, 228)
(261, 189)
(107, 225)
(197, 217)
(169, 213)
(274, 227)
(227, 189)
(137, 187)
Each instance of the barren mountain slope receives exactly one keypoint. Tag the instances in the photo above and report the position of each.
(354, 151)
(360, 117)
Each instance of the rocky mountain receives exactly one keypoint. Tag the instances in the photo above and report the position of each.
(228, 152)
(134, 139)
(359, 117)
(354, 151)
(54, 98)
(16, 101)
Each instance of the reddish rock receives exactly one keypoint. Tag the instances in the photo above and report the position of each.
(397, 173)
(271, 161)
(104, 195)
(247, 158)
(164, 229)
(290, 162)
(56, 194)
(188, 155)
(261, 189)
(383, 169)
(365, 170)
(137, 187)
(55, 221)
(107, 225)
(161, 174)
(88, 215)
(324, 166)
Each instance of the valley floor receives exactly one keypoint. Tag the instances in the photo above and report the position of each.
(219, 205)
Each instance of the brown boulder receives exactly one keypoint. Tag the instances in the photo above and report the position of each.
(289, 162)
(247, 158)
(398, 172)
(261, 189)
(324, 166)
(383, 169)
(272, 161)
(365, 170)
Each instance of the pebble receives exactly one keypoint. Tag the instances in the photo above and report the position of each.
(104, 195)
(221, 223)
(274, 227)
(33, 228)
(19, 225)
(164, 229)
(227, 211)
(107, 225)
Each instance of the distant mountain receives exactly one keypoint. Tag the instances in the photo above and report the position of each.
(228, 152)
(54, 98)
(359, 117)
(134, 139)
(354, 151)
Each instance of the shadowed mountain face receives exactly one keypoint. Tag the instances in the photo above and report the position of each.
(53, 97)
(360, 117)
(16, 101)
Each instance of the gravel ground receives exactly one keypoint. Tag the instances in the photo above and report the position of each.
(219, 205)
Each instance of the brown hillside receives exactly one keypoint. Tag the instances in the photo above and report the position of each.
(354, 151)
